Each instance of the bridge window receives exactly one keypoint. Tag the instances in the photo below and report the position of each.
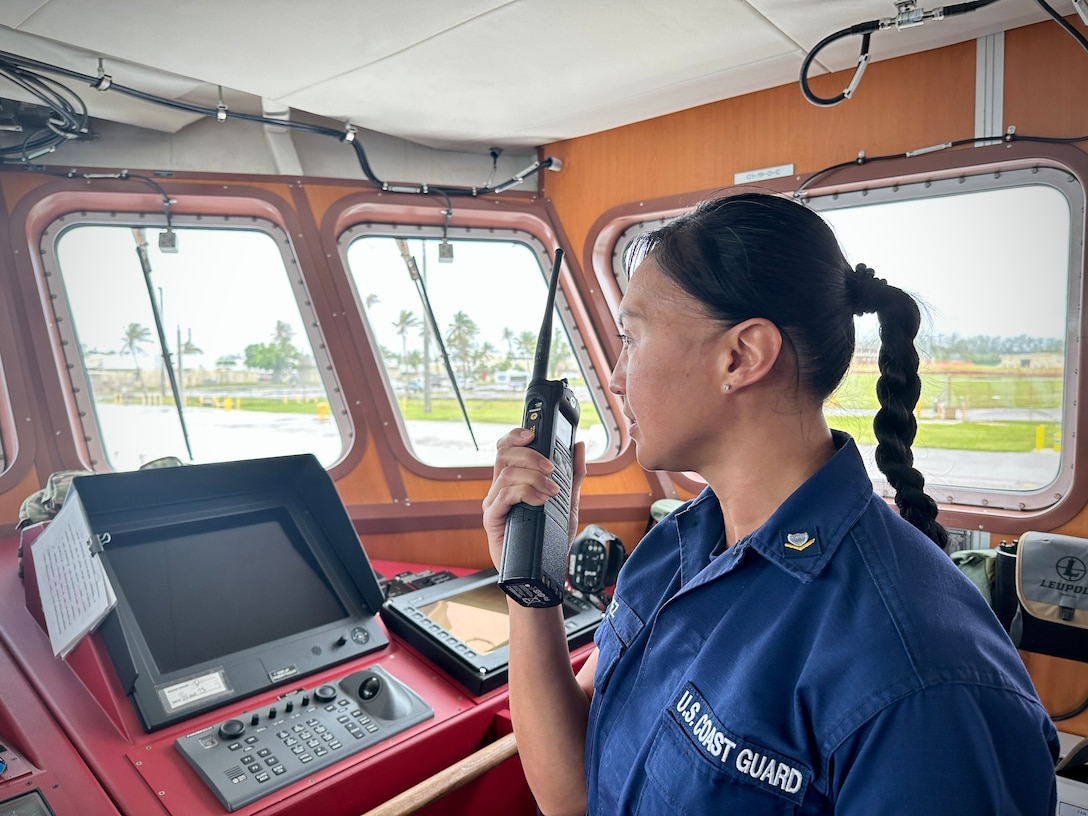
(206, 353)
(463, 376)
(991, 266)
(994, 259)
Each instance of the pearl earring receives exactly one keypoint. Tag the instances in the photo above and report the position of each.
(726, 387)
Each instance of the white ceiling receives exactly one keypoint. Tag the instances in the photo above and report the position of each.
(457, 74)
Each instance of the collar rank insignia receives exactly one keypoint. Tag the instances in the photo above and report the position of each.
(799, 542)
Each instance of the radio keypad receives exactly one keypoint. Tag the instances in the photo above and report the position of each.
(315, 729)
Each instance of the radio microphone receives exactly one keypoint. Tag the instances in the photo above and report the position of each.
(533, 568)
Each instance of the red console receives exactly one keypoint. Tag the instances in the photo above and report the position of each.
(73, 741)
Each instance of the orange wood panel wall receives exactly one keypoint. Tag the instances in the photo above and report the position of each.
(702, 148)
(1045, 72)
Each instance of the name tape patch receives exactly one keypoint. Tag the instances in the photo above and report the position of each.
(742, 759)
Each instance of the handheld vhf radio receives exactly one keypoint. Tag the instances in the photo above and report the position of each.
(533, 569)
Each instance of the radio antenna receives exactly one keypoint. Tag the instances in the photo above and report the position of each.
(544, 340)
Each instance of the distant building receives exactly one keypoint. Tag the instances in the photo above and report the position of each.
(1033, 360)
(865, 357)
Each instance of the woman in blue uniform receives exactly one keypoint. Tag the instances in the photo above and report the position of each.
(785, 643)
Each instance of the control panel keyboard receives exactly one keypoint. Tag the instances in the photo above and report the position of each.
(244, 758)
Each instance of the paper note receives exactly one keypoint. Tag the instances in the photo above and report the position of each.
(75, 591)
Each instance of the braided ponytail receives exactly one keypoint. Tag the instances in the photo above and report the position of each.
(897, 389)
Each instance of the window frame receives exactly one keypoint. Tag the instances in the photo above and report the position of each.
(564, 311)
(427, 216)
(69, 359)
(970, 508)
(1026, 500)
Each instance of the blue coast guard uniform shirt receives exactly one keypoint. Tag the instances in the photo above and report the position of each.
(833, 661)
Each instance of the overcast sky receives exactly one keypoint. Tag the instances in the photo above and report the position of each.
(990, 263)
(993, 263)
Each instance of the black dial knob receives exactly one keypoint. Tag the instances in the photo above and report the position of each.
(232, 729)
(255, 719)
(324, 694)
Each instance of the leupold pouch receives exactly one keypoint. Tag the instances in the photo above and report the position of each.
(1052, 590)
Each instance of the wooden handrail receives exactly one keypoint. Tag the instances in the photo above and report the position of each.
(448, 779)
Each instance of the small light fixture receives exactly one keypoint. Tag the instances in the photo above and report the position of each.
(445, 248)
(168, 242)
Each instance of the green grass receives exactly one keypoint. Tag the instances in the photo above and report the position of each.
(447, 410)
(269, 405)
(1005, 437)
(973, 389)
(502, 411)
(1011, 436)
(977, 389)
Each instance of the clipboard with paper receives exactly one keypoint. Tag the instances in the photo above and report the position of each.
(76, 593)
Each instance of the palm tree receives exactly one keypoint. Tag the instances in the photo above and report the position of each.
(133, 340)
(482, 357)
(282, 335)
(562, 354)
(413, 361)
(460, 338)
(189, 347)
(525, 343)
(404, 323)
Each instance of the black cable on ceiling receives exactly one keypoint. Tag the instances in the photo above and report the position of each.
(69, 118)
(866, 31)
(1076, 35)
(907, 17)
(72, 122)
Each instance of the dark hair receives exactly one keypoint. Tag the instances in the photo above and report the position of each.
(762, 255)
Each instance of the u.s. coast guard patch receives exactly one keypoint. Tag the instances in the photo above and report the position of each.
(742, 759)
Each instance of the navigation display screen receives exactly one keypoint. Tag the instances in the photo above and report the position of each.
(222, 585)
(476, 617)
